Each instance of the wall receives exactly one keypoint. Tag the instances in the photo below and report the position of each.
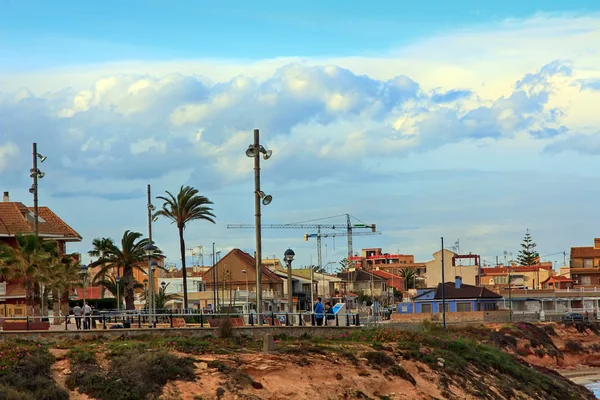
(257, 332)
(461, 317)
(433, 272)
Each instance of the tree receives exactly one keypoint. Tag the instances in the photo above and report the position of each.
(162, 297)
(188, 206)
(30, 262)
(318, 270)
(128, 257)
(410, 277)
(527, 255)
(110, 283)
(99, 245)
(344, 265)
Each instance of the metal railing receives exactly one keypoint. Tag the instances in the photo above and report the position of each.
(114, 319)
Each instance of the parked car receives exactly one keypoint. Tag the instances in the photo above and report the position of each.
(573, 317)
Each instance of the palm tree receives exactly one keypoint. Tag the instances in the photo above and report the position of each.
(128, 257)
(64, 274)
(410, 276)
(30, 262)
(110, 283)
(162, 298)
(186, 207)
(99, 247)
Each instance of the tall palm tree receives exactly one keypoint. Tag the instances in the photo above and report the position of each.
(410, 277)
(99, 247)
(30, 262)
(186, 207)
(128, 257)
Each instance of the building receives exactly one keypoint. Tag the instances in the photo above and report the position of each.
(453, 266)
(327, 287)
(458, 297)
(16, 219)
(557, 282)
(365, 282)
(375, 259)
(235, 286)
(585, 265)
(393, 280)
(526, 277)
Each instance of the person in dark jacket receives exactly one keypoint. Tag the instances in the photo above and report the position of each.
(329, 314)
(319, 312)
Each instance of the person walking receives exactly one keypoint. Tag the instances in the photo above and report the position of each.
(77, 311)
(87, 312)
(319, 312)
(330, 315)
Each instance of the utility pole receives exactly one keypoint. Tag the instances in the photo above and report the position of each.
(214, 279)
(443, 288)
(151, 208)
(36, 174)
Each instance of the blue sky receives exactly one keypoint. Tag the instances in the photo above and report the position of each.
(42, 33)
(429, 119)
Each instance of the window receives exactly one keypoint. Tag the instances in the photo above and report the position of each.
(463, 307)
(488, 306)
(447, 307)
(586, 280)
(426, 308)
(588, 263)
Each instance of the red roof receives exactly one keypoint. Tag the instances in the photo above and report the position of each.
(517, 268)
(91, 292)
(558, 278)
(16, 218)
(387, 275)
(267, 274)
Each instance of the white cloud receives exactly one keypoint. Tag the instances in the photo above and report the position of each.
(490, 98)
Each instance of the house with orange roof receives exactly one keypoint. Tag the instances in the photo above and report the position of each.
(16, 219)
(526, 277)
(557, 282)
(585, 265)
(232, 282)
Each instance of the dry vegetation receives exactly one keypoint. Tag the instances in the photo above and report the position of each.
(467, 363)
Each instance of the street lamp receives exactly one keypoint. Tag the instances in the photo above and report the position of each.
(146, 290)
(117, 280)
(254, 151)
(153, 265)
(150, 249)
(288, 257)
(247, 294)
(36, 174)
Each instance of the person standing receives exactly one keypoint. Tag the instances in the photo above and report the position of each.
(77, 311)
(319, 312)
(87, 312)
(330, 315)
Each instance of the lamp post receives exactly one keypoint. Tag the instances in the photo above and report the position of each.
(288, 257)
(146, 291)
(36, 174)
(150, 249)
(247, 294)
(254, 151)
(443, 288)
(164, 288)
(117, 280)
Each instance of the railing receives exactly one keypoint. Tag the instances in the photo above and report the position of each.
(114, 319)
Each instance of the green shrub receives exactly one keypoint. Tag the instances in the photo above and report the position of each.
(574, 347)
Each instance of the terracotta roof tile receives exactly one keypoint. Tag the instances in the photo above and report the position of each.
(13, 220)
(267, 274)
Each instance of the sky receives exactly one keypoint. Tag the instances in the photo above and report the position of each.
(429, 119)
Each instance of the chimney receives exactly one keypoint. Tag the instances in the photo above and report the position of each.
(457, 282)
(596, 240)
(6, 197)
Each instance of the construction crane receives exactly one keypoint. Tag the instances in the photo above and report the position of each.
(349, 227)
(320, 235)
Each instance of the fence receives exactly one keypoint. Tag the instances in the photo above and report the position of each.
(174, 319)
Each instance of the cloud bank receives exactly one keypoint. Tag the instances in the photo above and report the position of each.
(347, 129)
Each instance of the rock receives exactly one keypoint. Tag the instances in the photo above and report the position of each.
(66, 371)
(592, 360)
(202, 366)
(268, 343)
(257, 385)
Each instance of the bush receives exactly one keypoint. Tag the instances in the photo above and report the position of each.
(573, 346)
(132, 374)
(379, 359)
(550, 330)
(25, 373)
(225, 329)
(398, 370)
